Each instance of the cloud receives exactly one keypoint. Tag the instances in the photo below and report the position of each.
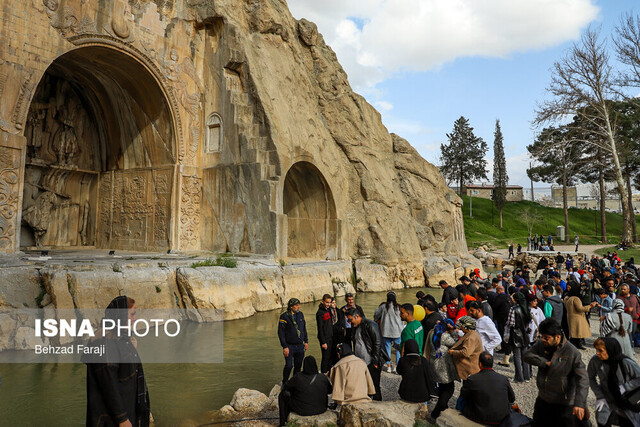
(383, 106)
(376, 38)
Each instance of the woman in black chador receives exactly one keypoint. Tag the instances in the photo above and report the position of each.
(117, 392)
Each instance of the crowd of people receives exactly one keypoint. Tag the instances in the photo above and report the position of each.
(536, 319)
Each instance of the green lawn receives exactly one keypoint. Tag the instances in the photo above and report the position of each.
(482, 229)
(624, 255)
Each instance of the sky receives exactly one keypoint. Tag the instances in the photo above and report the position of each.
(425, 63)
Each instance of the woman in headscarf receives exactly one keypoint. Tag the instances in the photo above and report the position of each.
(468, 348)
(417, 383)
(387, 316)
(306, 393)
(611, 373)
(116, 388)
(439, 340)
(618, 324)
(578, 326)
(516, 334)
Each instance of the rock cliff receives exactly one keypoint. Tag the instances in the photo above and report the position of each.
(397, 207)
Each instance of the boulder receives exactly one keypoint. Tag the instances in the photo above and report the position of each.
(328, 418)
(226, 411)
(250, 401)
(272, 404)
(453, 418)
(396, 413)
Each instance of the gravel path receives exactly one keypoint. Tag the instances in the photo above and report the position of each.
(526, 393)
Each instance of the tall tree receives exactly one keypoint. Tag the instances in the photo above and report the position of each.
(462, 159)
(500, 177)
(582, 84)
(559, 154)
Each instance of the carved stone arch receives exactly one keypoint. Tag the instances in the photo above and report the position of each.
(313, 228)
(106, 41)
(103, 146)
(326, 174)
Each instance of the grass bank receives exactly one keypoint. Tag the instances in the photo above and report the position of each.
(484, 226)
(624, 255)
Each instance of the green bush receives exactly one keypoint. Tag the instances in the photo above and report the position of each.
(221, 261)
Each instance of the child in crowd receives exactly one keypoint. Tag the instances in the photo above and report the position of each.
(452, 309)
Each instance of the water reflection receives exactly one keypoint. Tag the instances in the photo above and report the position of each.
(54, 394)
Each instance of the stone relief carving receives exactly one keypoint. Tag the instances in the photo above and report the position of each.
(135, 209)
(38, 215)
(119, 23)
(21, 105)
(56, 124)
(190, 212)
(9, 187)
(176, 72)
(66, 19)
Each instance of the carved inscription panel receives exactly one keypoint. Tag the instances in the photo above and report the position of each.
(135, 209)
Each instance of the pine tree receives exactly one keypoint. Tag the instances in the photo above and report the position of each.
(500, 177)
(462, 159)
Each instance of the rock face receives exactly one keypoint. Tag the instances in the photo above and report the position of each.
(206, 125)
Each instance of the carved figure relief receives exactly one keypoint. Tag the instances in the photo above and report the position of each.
(68, 21)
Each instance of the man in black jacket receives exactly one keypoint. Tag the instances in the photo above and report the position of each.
(448, 292)
(562, 378)
(487, 395)
(292, 333)
(367, 345)
(324, 322)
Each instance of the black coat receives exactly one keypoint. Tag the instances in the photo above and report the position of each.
(417, 383)
(448, 294)
(324, 324)
(288, 334)
(501, 307)
(429, 322)
(112, 388)
(309, 393)
(487, 397)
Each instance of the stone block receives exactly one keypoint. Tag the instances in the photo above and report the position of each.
(396, 413)
(327, 418)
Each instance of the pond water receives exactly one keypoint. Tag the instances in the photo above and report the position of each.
(54, 394)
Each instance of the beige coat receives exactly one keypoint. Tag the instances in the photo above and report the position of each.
(578, 325)
(466, 353)
(352, 382)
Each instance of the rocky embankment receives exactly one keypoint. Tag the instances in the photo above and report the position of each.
(254, 285)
